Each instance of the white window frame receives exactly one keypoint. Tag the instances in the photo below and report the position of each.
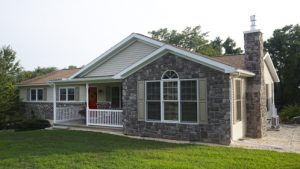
(162, 119)
(146, 101)
(36, 94)
(242, 100)
(67, 99)
(120, 95)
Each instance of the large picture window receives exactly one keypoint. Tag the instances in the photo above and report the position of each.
(172, 99)
(67, 94)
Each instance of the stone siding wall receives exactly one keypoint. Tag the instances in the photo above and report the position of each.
(256, 109)
(218, 102)
(41, 110)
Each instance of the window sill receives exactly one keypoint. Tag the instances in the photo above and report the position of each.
(172, 122)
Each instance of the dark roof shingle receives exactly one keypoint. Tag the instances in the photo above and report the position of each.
(56, 75)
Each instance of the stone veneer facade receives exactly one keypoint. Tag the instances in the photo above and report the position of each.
(256, 109)
(40, 110)
(218, 129)
(44, 110)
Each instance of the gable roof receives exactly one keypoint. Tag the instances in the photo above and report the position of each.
(44, 79)
(162, 48)
(119, 46)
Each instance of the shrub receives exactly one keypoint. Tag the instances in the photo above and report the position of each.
(27, 124)
(288, 112)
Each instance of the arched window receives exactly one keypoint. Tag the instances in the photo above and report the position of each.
(170, 74)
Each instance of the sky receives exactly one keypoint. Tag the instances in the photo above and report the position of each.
(60, 33)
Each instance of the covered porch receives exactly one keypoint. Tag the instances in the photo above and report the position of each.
(88, 104)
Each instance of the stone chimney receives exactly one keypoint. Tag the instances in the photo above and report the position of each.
(256, 109)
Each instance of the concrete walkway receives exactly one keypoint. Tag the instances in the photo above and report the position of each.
(286, 139)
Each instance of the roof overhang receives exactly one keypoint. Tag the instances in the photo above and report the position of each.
(107, 79)
(32, 85)
(271, 67)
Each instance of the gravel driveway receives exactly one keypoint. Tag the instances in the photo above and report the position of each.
(286, 139)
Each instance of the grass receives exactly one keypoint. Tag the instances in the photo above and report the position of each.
(78, 149)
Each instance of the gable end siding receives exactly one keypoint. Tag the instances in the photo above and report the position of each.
(122, 60)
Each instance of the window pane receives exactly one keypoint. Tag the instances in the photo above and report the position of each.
(153, 91)
(238, 110)
(33, 94)
(189, 111)
(40, 94)
(115, 97)
(62, 94)
(170, 75)
(188, 90)
(71, 94)
(170, 91)
(171, 110)
(267, 97)
(153, 112)
(238, 89)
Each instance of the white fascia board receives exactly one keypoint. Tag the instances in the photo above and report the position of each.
(245, 73)
(115, 47)
(29, 85)
(178, 52)
(271, 67)
(82, 79)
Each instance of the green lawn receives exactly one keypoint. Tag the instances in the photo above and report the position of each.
(78, 149)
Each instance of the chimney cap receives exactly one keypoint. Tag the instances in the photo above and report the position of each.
(253, 25)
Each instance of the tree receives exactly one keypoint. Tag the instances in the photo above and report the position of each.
(191, 38)
(230, 47)
(9, 69)
(24, 75)
(72, 67)
(217, 44)
(284, 49)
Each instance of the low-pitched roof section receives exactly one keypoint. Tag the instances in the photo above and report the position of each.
(44, 79)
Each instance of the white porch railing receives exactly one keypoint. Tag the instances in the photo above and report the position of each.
(105, 117)
(67, 113)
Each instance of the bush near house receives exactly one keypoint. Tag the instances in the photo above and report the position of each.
(20, 125)
(289, 112)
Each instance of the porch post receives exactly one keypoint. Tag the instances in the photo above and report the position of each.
(54, 103)
(87, 103)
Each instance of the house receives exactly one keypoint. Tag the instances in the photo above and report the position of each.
(152, 89)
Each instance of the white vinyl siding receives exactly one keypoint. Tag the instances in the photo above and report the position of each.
(122, 60)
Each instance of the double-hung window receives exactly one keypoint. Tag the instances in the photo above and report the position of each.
(238, 99)
(172, 99)
(67, 94)
(36, 95)
(153, 100)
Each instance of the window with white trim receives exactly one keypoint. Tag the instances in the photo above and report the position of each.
(36, 95)
(67, 94)
(238, 99)
(171, 99)
(153, 100)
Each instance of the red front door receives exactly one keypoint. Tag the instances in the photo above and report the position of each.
(92, 97)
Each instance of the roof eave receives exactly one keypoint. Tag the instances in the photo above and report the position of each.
(271, 67)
